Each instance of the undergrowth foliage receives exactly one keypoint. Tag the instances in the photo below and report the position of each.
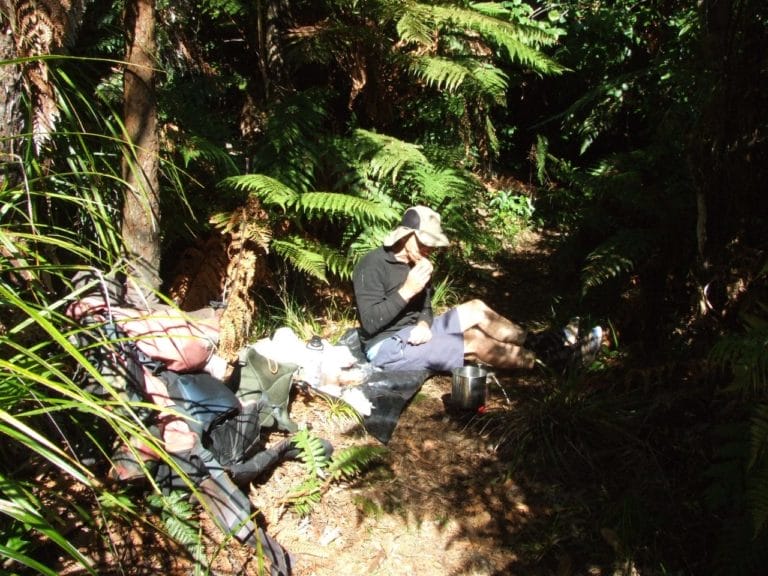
(341, 116)
(321, 471)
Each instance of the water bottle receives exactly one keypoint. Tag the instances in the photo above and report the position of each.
(313, 368)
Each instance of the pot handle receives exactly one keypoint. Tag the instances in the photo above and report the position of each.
(492, 376)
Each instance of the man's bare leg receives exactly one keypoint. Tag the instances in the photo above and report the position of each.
(479, 347)
(477, 314)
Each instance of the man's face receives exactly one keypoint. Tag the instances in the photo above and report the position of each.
(415, 250)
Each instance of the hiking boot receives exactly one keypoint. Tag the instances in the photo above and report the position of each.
(266, 460)
(589, 346)
(560, 351)
(571, 331)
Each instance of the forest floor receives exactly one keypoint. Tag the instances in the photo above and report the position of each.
(444, 501)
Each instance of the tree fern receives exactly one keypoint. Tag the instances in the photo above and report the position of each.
(438, 186)
(268, 189)
(387, 155)
(441, 73)
(745, 356)
(417, 24)
(518, 41)
(333, 204)
(302, 254)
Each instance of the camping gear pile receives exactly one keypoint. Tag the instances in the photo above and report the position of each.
(209, 421)
(208, 414)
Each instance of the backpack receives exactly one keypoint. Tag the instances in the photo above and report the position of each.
(268, 383)
(160, 357)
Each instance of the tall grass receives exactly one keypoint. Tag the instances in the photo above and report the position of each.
(61, 214)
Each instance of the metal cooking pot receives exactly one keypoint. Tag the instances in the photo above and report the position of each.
(469, 388)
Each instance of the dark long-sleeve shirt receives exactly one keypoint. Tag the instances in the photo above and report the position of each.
(381, 311)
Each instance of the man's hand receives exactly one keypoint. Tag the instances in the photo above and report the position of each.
(418, 278)
(420, 334)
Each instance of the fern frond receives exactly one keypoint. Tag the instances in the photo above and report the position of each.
(537, 32)
(178, 516)
(196, 149)
(335, 263)
(440, 73)
(301, 255)
(417, 25)
(757, 497)
(437, 185)
(758, 431)
(616, 256)
(362, 211)
(351, 461)
(491, 81)
(516, 39)
(305, 496)
(267, 189)
(312, 451)
(389, 155)
(746, 356)
(236, 221)
(450, 74)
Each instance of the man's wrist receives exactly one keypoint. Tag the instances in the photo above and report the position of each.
(406, 294)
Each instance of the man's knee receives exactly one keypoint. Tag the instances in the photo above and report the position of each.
(475, 306)
(472, 313)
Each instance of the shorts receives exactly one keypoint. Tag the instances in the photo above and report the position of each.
(442, 353)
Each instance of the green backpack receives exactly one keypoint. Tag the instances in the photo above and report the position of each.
(268, 383)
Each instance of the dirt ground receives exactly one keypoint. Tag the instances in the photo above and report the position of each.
(442, 502)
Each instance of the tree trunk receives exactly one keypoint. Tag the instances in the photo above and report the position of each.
(11, 119)
(141, 210)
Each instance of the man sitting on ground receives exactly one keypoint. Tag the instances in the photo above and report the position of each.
(398, 330)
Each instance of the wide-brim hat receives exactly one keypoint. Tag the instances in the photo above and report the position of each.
(422, 221)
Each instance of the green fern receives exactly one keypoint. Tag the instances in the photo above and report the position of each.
(309, 492)
(332, 204)
(405, 166)
(198, 149)
(517, 40)
(416, 25)
(267, 189)
(178, 516)
(745, 355)
(312, 452)
(321, 471)
(180, 520)
(303, 255)
(451, 74)
(738, 477)
(352, 461)
(388, 155)
(441, 73)
(615, 257)
(438, 186)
